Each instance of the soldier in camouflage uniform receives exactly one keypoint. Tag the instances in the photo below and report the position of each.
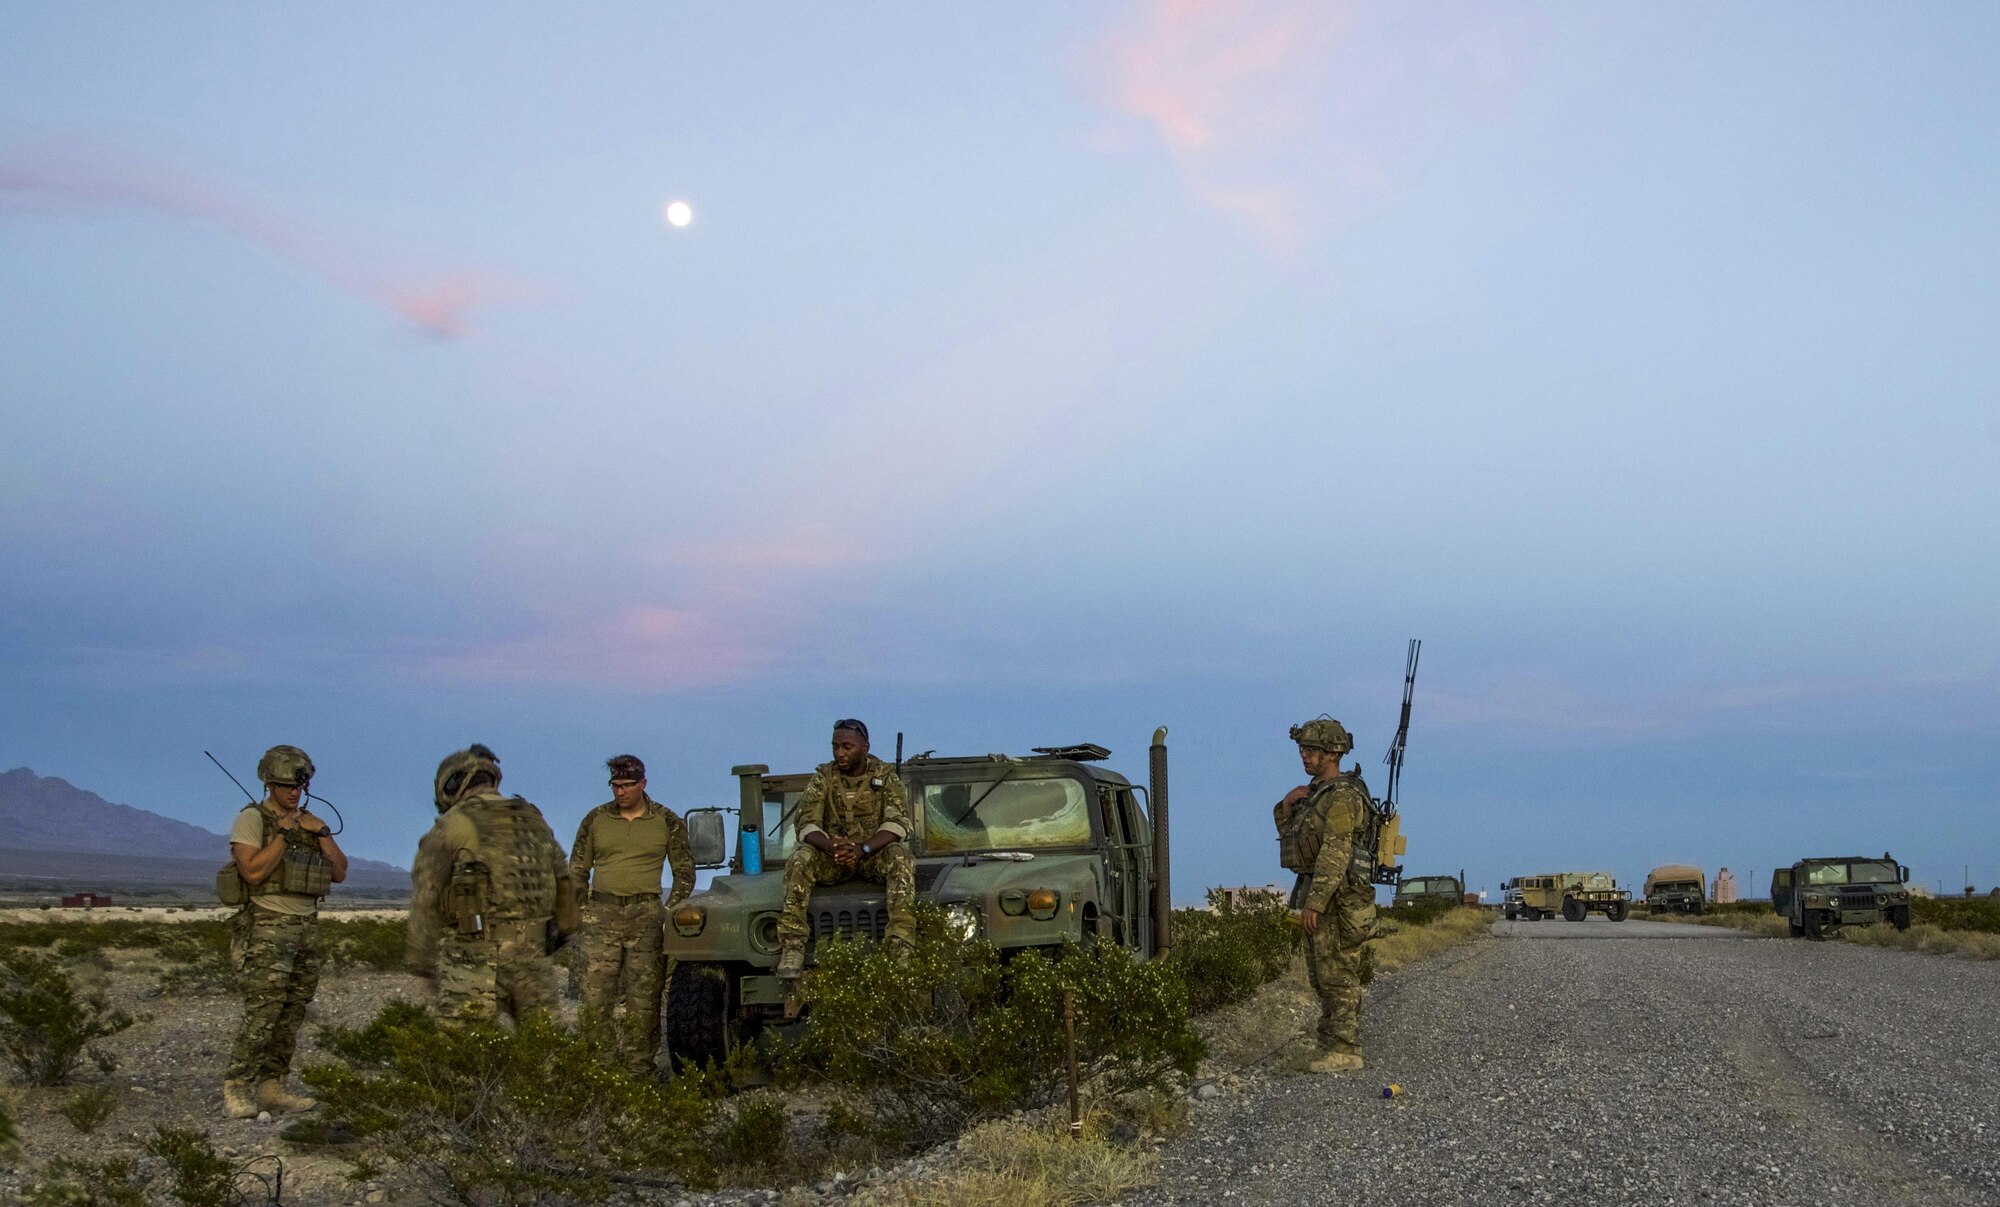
(489, 891)
(1322, 832)
(287, 862)
(619, 852)
(851, 822)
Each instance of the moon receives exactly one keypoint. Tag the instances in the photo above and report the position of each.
(679, 213)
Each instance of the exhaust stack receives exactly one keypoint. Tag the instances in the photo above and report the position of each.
(1163, 889)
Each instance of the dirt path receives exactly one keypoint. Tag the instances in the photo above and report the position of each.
(1669, 1064)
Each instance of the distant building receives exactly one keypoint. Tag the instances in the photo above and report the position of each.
(1725, 886)
(86, 901)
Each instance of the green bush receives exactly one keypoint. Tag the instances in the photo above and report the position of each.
(201, 1176)
(72, 1183)
(955, 1034)
(1421, 912)
(375, 943)
(1958, 913)
(757, 1137)
(1224, 953)
(45, 1026)
(489, 1115)
(86, 1110)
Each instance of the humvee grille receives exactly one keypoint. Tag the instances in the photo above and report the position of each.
(866, 921)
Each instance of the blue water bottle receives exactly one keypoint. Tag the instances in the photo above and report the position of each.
(753, 850)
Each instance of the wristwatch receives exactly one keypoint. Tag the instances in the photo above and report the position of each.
(865, 852)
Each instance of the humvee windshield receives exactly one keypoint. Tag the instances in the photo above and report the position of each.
(1872, 871)
(1005, 815)
(1429, 884)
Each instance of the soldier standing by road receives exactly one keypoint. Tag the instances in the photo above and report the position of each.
(1322, 827)
(287, 862)
(489, 892)
(851, 822)
(619, 852)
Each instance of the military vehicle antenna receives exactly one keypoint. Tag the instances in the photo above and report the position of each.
(1395, 758)
(232, 779)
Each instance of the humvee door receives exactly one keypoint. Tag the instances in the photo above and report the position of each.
(1781, 890)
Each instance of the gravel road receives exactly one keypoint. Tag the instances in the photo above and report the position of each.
(1608, 1063)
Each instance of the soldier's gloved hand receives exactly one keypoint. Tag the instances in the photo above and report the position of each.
(311, 824)
(1296, 795)
(1309, 921)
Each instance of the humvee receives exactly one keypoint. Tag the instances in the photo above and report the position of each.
(1819, 896)
(1675, 888)
(1412, 889)
(1575, 895)
(1031, 851)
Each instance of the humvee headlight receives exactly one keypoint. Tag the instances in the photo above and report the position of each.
(764, 932)
(1902, 894)
(961, 921)
(1014, 902)
(1042, 903)
(689, 919)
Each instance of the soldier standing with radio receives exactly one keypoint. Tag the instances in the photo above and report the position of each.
(489, 896)
(287, 861)
(1322, 835)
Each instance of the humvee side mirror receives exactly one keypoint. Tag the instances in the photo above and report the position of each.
(706, 839)
(1904, 871)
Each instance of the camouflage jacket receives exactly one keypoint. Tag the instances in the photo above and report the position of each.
(526, 875)
(1324, 830)
(854, 808)
(627, 858)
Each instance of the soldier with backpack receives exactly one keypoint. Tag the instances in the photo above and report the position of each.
(490, 896)
(1326, 834)
(282, 862)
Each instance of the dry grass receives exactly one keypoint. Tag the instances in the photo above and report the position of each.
(1767, 924)
(1026, 1163)
(1275, 1025)
(1965, 944)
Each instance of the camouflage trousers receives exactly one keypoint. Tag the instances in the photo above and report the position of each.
(623, 966)
(893, 867)
(277, 958)
(506, 971)
(1333, 965)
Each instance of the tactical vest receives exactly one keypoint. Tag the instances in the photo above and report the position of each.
(303, 871)
(506, 872)
(1304, 832)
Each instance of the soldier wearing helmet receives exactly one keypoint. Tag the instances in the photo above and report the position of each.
(286, 861)
(489, 896)
(1321, 827)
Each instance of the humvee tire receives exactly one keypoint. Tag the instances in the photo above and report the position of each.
(1509, 911)
(1899, 917)
(1816, 928)
(697, 1022)
(1617, 910)
(1573, 910)
(1797, 930)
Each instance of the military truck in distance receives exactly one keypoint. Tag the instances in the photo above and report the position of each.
(1819, 896)
(1675, 888)
(1030, 851)
(1412, 889)
(1574, 895)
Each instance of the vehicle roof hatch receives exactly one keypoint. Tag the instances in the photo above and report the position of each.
(1086, 752)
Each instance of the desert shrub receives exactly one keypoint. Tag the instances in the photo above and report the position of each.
(956, 1034)
(489, 1115)
(65, 1182)
(1225, 952)
(7, 1137)
(757, 1134)
(45, 1025)
(1958, 913)
(87, 1109)
(201, 1176)
(363, 942)
(1421, 912)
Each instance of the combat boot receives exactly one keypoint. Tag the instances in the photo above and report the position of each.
(236, 1100)
(272, 1096)
(1336, 1062)
(791, 960)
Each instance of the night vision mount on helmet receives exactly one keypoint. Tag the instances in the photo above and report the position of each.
(285, 765)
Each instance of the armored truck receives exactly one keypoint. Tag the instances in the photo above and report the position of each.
(1029, 851)
(1676, 888)
(1819, 896)
(1412, 889)
(1574, 895)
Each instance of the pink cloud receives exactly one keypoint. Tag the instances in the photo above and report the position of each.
(642, 647)
(438, 306)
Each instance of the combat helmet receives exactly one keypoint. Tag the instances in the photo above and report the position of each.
(1324, 733)
(287, 765)
(459, 769)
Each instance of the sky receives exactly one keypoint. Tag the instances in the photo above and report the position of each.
(1029, 374)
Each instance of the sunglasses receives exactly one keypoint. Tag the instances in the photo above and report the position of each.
(624, 783)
